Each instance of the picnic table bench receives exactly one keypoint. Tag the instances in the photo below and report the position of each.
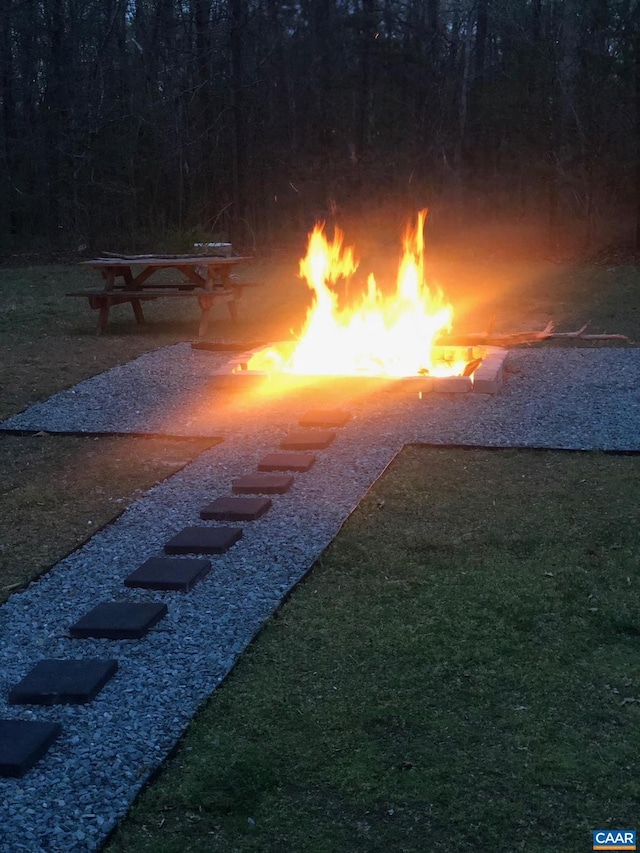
(206, 278)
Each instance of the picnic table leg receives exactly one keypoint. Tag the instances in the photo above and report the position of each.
(205, 303)
(105, 304)
(103, 315)
(225, 280)
(233, 310)
(137, 310)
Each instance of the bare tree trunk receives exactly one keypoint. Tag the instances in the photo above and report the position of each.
(54, 100)
(201, 14)
(365, 94)
(429, 106)
(322, 10)
(432, 17)
(199, 117)
(480, 48)
(239, 153)
(462, 121)
(8, 127)
(563, 110)
(636, 88)
(475, 136)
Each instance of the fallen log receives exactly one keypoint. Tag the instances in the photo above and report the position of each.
(508, 339)
(581, 334)
(606, 337)
(490, 338)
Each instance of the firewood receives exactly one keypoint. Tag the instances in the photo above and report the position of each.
(596, 337)
(510, 339)
(489, 339)
(581, 334)
(471, 366)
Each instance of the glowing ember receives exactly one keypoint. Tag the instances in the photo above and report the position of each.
(378, 336)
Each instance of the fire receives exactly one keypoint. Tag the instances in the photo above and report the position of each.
(379, 335)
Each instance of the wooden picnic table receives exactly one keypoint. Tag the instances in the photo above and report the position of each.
(207, 278)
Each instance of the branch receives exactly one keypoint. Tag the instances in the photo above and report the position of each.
(578, 334)
(490, 339)
(515, 338)
(581, 334)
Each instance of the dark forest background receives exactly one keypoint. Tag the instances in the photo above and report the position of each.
(130, 120)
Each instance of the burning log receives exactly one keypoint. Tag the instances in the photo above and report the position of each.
(489, 338)
(471, 366)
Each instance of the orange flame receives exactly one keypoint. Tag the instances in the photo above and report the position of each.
(380, 335)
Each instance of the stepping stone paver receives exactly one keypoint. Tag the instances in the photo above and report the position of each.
(324, 418)
(235, 509)
(168, 573)
(287, 462)
(263, 484)
(23, 743)
(203, 540)
(308, 440)
(119, 620)
(63, 682)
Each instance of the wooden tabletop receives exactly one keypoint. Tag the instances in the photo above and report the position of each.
(166, 261)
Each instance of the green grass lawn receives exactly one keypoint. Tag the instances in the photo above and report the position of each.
(460, 670)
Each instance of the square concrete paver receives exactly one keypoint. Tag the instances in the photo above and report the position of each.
(63, 682)
(263, 484)
(23, 743)
(287, 462)
(119, 620)
(235, 509)
(324, 418)
(168, 573)
(316, 439)
(203, 540)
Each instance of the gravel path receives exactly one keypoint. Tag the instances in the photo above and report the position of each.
(576, 399)
(562, 398)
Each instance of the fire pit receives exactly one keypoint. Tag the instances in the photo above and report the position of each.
(482, 372)
(376, 337)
